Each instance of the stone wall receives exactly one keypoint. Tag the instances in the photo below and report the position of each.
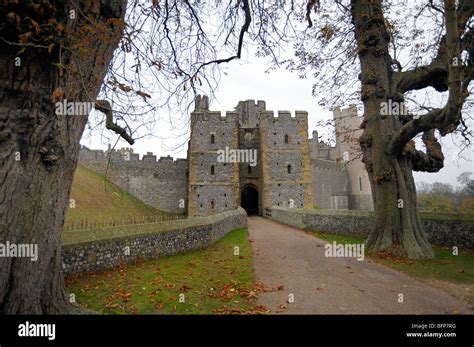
(160, 183)
(440, 232)
(329, 180)
(286, 166)
(94, 250)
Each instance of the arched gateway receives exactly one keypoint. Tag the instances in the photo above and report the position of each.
(249, 199)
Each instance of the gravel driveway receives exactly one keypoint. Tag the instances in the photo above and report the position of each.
(287, 256)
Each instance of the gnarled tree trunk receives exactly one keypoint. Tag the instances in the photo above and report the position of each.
(39, 148)
(397, 229)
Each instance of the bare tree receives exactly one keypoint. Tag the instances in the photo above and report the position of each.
(56, 54)
(401, 50)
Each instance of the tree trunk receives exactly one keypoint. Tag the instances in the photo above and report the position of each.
(39, 148)
(397, 229)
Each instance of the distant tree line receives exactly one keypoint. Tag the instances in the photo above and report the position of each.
(443, 197)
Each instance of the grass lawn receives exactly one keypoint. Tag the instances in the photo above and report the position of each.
(213, 280)
(97, 199)
(458, 269)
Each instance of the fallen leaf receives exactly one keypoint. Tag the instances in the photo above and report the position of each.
(185, 288)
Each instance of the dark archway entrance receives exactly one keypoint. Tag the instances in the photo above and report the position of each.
(249, 200)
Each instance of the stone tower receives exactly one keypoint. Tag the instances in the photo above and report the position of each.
(251, 176)
(285, 160)
(348, 131)
(213, 185)
(266, 159)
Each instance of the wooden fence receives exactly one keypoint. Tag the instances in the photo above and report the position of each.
(85, 224)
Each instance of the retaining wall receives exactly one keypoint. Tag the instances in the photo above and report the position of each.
(93, 250)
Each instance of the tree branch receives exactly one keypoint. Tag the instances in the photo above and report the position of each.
(435, 74)
(433, 159)
(104, 107)
(243, 30)
(447, 119)
(409, 130)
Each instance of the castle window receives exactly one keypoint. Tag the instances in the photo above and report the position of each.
(288, 168)
(225, 194)
(287, 139)
(213, 138)
(249, 169)
(212, 170)
(212, 204)
(360, 183)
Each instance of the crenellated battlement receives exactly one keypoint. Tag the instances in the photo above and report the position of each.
(126, 156)
(248, 114)
(229, 117)
(350, 111)
(160, 182)
(287, 116)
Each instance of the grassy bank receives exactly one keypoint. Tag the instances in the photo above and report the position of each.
(444, 267)
(214, 280)
(97, 199)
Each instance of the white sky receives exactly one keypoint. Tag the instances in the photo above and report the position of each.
(282, 90)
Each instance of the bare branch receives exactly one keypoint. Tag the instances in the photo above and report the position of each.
(433, 159)
(243, 30)
(447, 119)
(435, 74)
(104, 107)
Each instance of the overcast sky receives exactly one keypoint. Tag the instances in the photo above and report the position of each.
(282, 90)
